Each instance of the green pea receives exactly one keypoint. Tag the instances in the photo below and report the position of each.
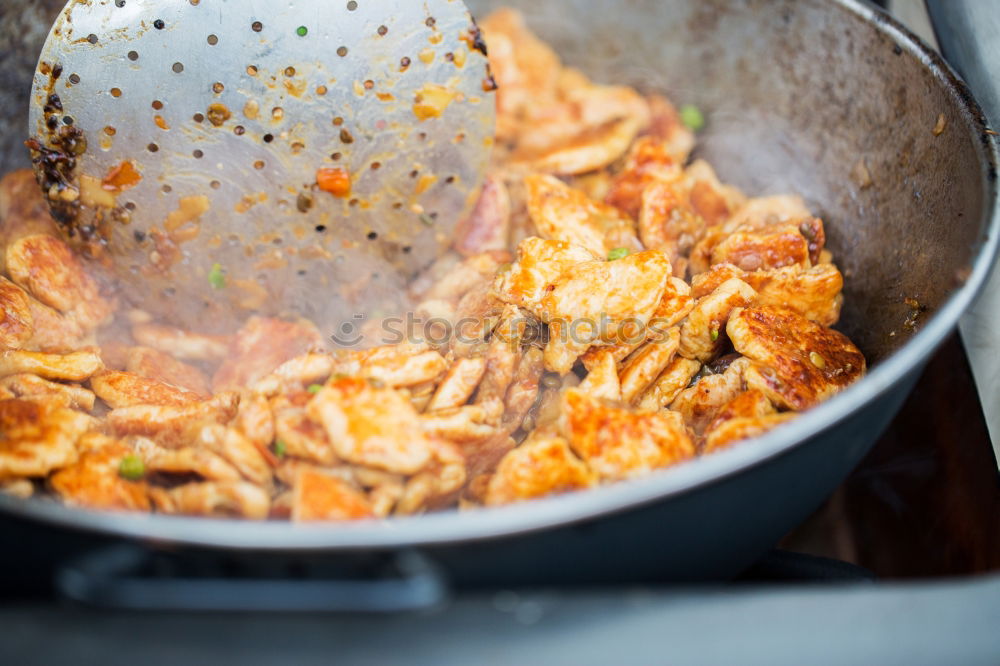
(216, 277)
(132, 468)
(692, 117)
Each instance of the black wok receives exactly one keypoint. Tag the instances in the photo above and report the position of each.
(797, 94)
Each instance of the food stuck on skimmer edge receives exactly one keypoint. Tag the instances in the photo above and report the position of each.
(609, 309)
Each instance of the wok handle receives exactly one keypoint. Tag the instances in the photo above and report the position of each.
(117, 577)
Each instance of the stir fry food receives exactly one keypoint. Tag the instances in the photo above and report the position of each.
(609, 309)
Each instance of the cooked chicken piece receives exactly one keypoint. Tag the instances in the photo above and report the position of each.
(167, 424)
(650, 159)
(588, 127)
(433, 319)
(260, 346)
(667, 219)
(754, 215)
(154, 364)
(711, 199)
(502, 356)
(749, 404)
(19, 488)
(772, 247)
(475, 317)
(619, 352)
(483, 456)
(523, 390)
(700, 402)
(302, 437)
(296, 374)
(124, 389)
(743, 427)
(701, 331)
(797, 363)
(16, 323)
(642, 368)
(600, 303)
(705, 283)
(419, 395)
(311, 368)
(458, 384)
(384, 497)
(488, 225)
(187, 460)
(54, 333)
(393, 365)
(526, 69)
(812, 292)
(289, 468)
(594, 148)
(539, 264)
(38, 437)
(220, 499)
(469, 423)
(94, 481)
(542, 466)
(75, 367)
(182, 344)
(767, 211)
(47, 268)
(619, 443)
(675, 305)
(438, 484)
(68, 395)
(602, 380)
(91, 441)
(666, 126)
(565, 214)
(371, 426)
(675, 378)
(595, 184)
(321, 497)
(629, 287)
(256, 421)
(236, 449)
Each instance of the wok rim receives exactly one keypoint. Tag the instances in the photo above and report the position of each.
(454, 527)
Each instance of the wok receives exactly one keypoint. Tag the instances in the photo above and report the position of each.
(797, 94)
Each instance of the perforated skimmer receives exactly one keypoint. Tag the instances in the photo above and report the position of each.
(235, 156)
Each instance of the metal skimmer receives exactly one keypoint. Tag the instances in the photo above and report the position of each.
(236, 156)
